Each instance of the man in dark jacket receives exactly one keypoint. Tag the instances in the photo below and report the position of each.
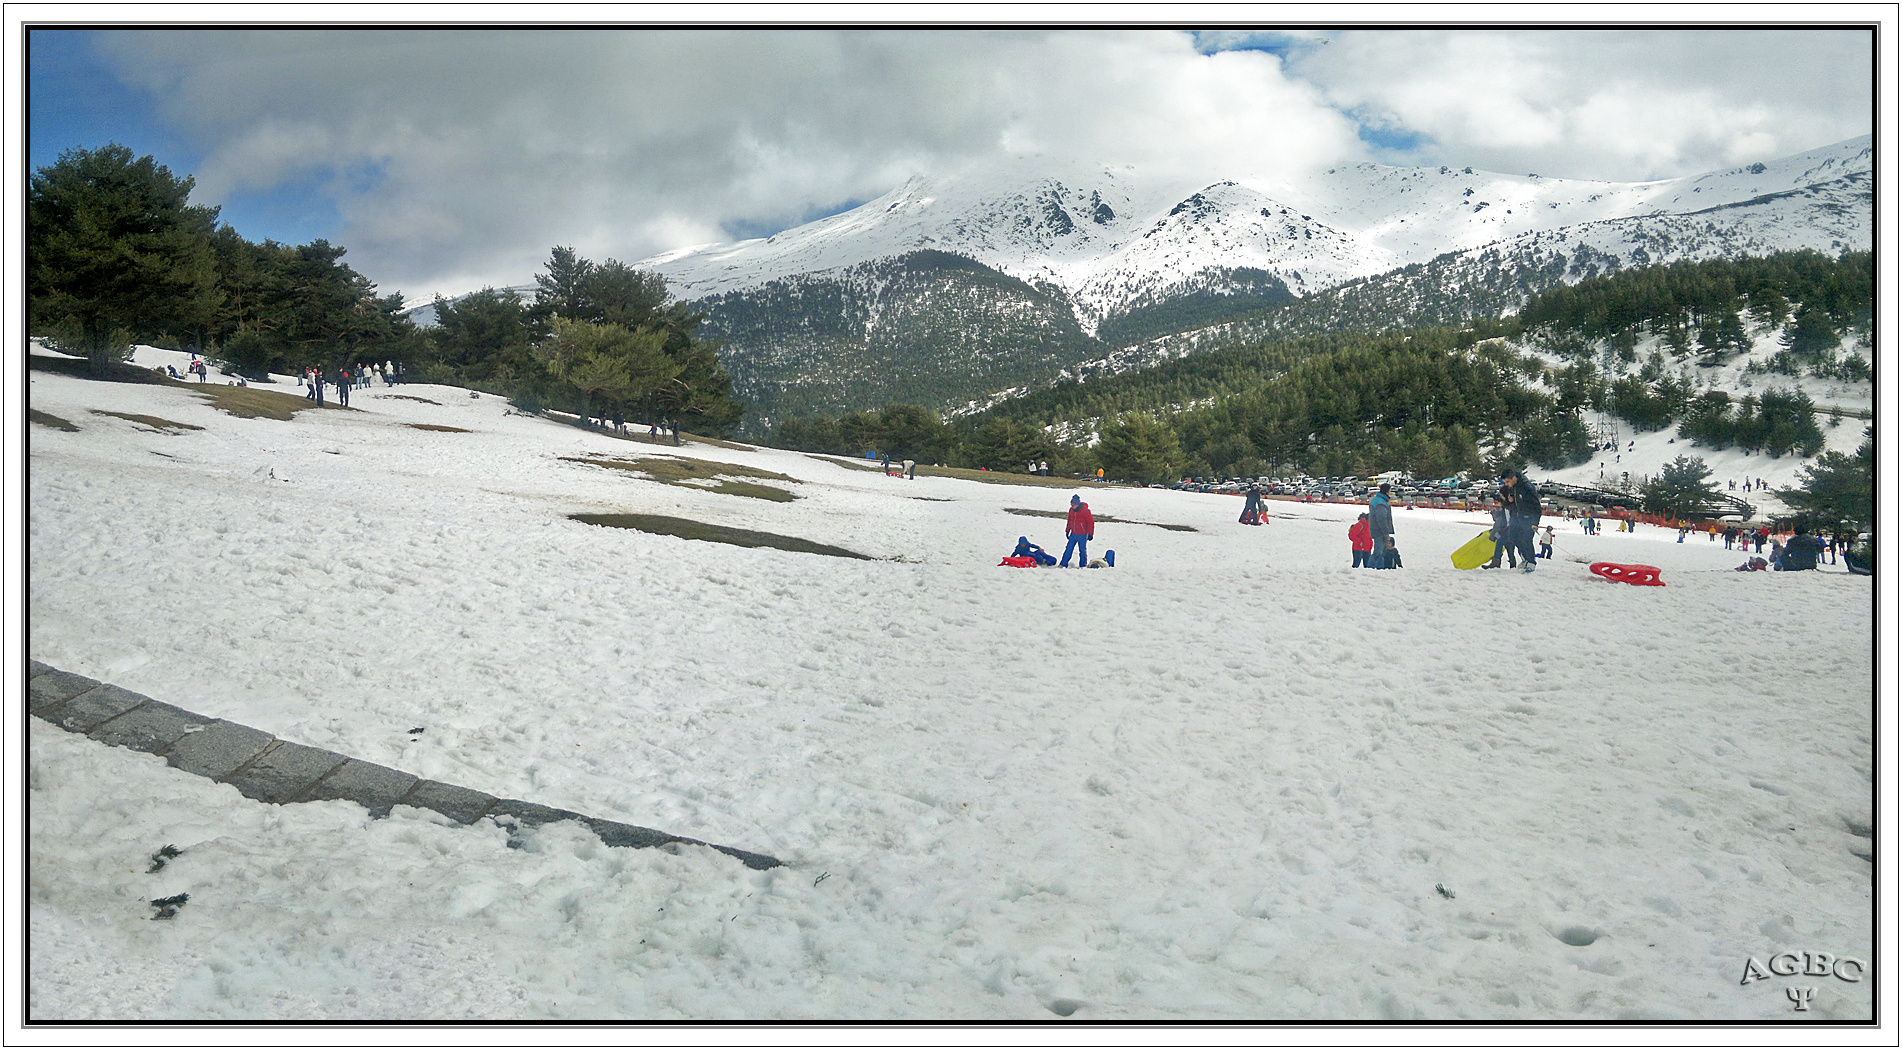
(1522, 514)
(1800, 552)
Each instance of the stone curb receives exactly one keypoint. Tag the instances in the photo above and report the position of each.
(267, 769)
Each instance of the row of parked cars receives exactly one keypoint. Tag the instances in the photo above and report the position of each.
(1332, 488)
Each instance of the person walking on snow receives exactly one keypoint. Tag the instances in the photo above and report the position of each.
(1501, 549)
(1080, 528)
(1545, 543)
(1522, 515)
(1361, 537)
(1380, 525)
(1251, 507)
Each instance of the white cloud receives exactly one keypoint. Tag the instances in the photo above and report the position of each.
(1603, 104)
(487, 147)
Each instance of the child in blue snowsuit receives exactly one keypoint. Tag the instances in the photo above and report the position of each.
(1025, 548)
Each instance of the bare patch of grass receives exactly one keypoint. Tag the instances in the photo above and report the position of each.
(1099, 517)
(696, 473)
(1003, 477)
(150, 422)
(412, 397)
(48, 419)
(439, 428)
(989, 477)
(687, 528)
(851, 464)
(116, 372)
(242, 401)
(251, 403)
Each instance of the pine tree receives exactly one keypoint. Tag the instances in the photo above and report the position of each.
(115, 253)
(1838, 490)
(607, 361)
(1680, 490)
(1139, 448)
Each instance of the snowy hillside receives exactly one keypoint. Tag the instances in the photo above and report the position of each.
(1230, 778)
(1642, 454)
(1106, 236)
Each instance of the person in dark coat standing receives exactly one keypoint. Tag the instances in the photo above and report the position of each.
(1251, 507)
(1522, 515)
(1080, 527)
(1380, 525)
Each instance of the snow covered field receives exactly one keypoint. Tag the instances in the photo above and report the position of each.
(1230, 779)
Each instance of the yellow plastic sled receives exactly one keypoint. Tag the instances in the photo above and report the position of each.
(1478, 551)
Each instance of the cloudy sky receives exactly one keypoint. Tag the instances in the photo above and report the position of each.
(450, 159)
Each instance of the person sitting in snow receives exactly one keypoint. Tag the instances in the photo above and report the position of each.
(1799, 552)
(1078, 529)
(1027, 549)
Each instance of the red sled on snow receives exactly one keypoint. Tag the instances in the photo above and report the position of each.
(1019, 561)
(1636, 575)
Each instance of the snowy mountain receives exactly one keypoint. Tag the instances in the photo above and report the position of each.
(885, 302)
(953, 289)
(1107, 238)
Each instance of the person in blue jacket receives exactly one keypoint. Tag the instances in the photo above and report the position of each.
(1027, 549)
(1380, 524)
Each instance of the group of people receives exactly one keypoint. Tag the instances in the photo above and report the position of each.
(347, 378)
(1079, 528)
(1515, 512)
(1800, 552)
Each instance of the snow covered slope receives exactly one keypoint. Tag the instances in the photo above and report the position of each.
(1230, 779)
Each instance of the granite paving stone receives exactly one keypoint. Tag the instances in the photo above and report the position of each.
(152, 726)
(283, 771)
(218, 749)
(615, 833)
(279, 771)
(457, 803)
(49, 690)
(95, 705)
(375, 787)
(530, 814)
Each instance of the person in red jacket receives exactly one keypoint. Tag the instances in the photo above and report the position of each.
(1080, 528)
(1361, 536)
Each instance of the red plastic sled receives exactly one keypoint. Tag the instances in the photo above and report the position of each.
(1636, 575)
(1019, 561)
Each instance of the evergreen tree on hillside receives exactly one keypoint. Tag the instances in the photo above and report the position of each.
(1680, 490)
(1811, 334)
(1006, 444)
(607, 361)
(1838, 490)
(114, 253)
(485, 337)
(696, 390)
(558, 289)
(1139, 448)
